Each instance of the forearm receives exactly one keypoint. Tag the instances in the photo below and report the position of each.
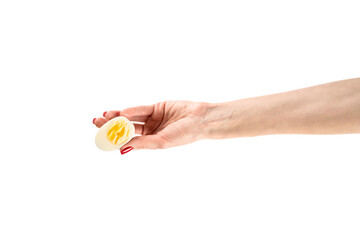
(332, 108)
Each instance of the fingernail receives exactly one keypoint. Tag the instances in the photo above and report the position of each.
(126, 150)
(104, 114)
(94, 120)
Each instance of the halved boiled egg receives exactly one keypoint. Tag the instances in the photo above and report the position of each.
(114, 134)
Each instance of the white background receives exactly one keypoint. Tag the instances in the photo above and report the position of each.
(62, 63)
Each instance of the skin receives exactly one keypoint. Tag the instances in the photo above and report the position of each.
(332, 108)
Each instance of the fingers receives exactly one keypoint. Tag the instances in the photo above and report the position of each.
(146, 142)
(138, 111)
(111, 114)
(99, 121)
(136, 114)
(139, 128)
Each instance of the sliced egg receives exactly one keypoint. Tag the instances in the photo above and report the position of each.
(114, 134)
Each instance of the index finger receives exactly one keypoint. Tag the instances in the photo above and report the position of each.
(138, 114)
(145, 110)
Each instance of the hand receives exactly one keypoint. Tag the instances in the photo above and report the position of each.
(332, 108)
(162, 125)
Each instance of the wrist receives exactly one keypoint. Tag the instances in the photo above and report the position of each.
(218, 120)
(242, 118)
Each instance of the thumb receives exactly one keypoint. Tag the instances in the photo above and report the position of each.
(145, 142)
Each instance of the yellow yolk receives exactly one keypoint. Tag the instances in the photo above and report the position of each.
(118, 132)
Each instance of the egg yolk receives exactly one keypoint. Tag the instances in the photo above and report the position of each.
(118, 132)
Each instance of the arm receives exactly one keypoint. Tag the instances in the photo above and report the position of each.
(332, 108)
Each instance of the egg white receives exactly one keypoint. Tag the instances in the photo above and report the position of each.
(101, 140)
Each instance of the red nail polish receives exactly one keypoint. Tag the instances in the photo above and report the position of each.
(94, 120)
(126, 150)
(104, 114)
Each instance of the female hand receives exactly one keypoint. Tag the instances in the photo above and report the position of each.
(332, 108)
(162, 125)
